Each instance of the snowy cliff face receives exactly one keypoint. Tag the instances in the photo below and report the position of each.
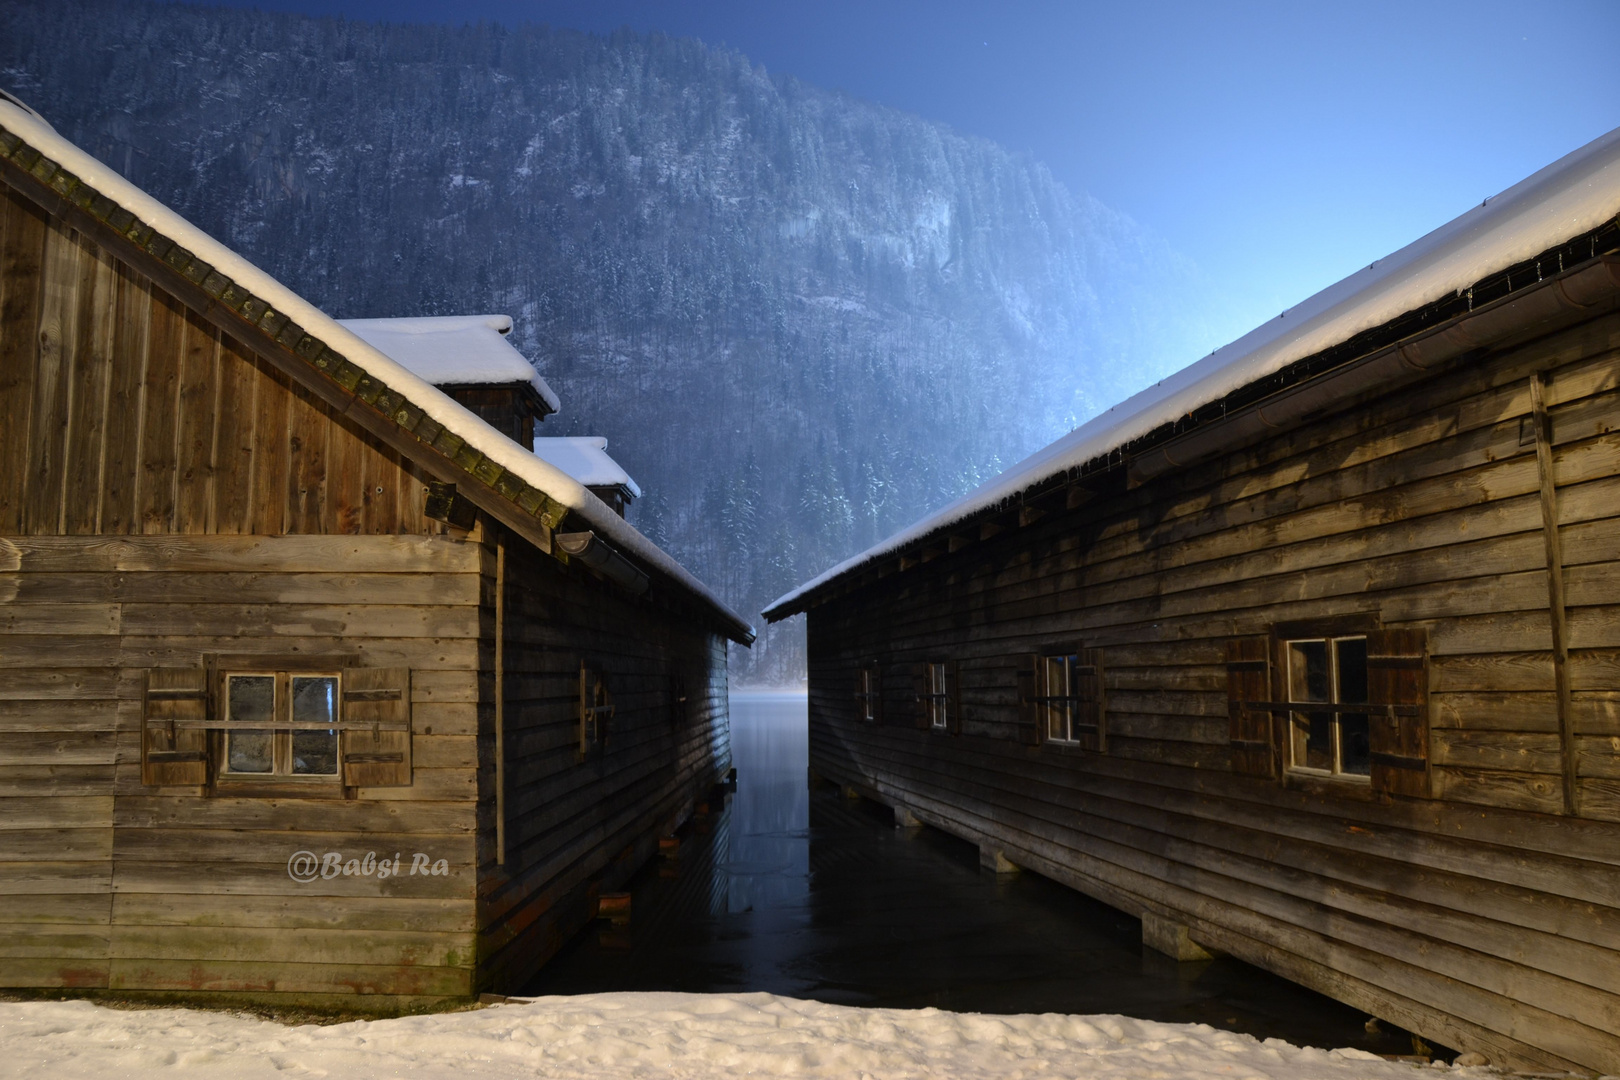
(800, 319)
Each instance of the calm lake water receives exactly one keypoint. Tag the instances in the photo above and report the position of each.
(810, 895)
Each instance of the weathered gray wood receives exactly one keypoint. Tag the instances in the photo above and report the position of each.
(248, 554)
(500, 697)
(1555, 592)
(22, 271)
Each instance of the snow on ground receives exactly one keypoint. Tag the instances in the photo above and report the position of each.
(639, 1036)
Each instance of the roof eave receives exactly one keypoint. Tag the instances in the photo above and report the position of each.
(1574, 291)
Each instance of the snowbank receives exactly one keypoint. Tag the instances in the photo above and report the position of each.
(647, 1035)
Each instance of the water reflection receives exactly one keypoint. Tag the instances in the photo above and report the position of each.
(814, 896)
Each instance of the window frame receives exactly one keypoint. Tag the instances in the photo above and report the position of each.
(1298, 708)
(185, 727)
(281, 727)
(1049, 703)
(937, 695)
(868, 692)
(1067, 718)
(595, 710)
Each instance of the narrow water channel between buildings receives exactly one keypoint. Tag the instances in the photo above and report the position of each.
(811, 895)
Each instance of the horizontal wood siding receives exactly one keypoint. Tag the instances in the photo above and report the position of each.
(127, 414)
(106, 882)
(576, 826)
(1483, 917)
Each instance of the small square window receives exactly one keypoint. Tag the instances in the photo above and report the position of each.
(281, 724)
(1332, 739)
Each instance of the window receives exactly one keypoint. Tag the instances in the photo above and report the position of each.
(1061, 698)
(867, 691)
(259, 725)
(1335, 701)
(281, 724)
(595, 709)
(1332, 738)
(937, 698)
(1059, 677)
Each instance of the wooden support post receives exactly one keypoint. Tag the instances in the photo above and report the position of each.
(615, 907)
(1171, 938)
(1555, 590)
(500, 696)
(993, 858)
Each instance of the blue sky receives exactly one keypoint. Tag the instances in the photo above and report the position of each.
(1280, 146)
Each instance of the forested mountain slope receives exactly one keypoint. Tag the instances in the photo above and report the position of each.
(801, 320)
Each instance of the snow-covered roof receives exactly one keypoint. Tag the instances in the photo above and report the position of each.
(228, 274)
(1572, 196)
(453, 350)
(585, 458)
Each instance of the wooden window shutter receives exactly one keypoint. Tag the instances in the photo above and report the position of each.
(174, 742)
(877, 694)
(1398, 676)
(1248, 679)
(375, 740)
(1029, 688)
(953, 699)
(1090, 706)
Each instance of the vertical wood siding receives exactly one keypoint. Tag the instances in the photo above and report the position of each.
(1484, 916)
(127, 414)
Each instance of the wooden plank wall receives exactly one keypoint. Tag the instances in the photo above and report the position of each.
(1483, 918)
(127, 414)
(110, 883)
(576, 827)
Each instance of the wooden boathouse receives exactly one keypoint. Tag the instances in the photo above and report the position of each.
(1309, 654)
(314, 686)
